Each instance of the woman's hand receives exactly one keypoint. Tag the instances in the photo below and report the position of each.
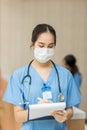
(44, 101)
(62, 115)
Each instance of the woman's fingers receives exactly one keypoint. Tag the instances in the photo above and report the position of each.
(60, 116)
(44, 101)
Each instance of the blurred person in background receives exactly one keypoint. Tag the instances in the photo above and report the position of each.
(69, 62)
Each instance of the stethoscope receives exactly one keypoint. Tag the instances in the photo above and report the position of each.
(60, 96)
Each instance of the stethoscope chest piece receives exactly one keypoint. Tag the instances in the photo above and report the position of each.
(61, 97)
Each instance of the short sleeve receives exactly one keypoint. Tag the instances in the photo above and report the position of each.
(73, 94)
(13, 93)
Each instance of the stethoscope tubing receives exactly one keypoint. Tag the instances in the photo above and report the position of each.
(29, 76)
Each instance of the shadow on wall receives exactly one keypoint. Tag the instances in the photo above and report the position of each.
(7, 121)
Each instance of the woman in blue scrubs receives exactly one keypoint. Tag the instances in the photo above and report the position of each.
(69, 61)
(21, 91)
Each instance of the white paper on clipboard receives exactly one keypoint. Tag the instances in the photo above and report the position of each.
(42, 110)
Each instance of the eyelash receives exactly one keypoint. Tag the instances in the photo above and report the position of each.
(50, 46)
(41, 46)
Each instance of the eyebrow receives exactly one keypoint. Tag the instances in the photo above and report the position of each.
(44, 43)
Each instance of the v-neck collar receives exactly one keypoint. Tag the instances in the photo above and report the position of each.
(49, 76)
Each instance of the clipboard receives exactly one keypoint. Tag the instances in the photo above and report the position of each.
(43, 110)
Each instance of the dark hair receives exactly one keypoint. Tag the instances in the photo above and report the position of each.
(70, 60)
(41, 28)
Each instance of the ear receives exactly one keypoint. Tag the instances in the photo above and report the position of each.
(32, 44)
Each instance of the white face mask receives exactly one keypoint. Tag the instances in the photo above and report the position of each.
(43, 54)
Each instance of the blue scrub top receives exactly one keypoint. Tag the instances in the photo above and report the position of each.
(18, 93)
(78, 79)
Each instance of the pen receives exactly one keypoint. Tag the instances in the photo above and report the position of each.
(39, 98)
